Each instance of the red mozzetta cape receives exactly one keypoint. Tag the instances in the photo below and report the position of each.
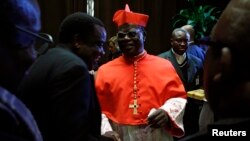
(157, 81)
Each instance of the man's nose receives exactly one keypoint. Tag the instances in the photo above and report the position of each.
(183, 43)
(127, 37)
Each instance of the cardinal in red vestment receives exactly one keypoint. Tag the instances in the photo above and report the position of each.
(141, 96)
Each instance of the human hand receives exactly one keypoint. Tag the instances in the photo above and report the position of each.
(158, 118)
(113, 135)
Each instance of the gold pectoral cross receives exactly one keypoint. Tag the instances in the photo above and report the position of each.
(134, 106)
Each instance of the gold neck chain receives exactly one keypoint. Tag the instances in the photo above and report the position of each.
(135, 89)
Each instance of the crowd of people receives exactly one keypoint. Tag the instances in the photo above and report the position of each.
(135, 96)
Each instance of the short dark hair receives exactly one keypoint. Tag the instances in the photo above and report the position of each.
(78, 23)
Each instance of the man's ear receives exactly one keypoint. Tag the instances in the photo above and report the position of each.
(225, 62)
(171, 41)
(76, 41)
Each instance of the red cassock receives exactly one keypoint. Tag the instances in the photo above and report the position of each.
(155, 81)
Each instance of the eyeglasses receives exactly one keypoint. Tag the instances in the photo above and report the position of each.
(33, 34)
(130, 34)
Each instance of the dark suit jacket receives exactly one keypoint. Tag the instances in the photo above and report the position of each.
(60, 93)
(195, 69)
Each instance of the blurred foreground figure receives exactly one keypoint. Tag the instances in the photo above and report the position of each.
(227, 77)
(19, 28)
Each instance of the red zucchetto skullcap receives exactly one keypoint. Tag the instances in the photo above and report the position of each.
(126, 16)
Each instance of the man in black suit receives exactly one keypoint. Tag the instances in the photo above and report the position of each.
(59, 89)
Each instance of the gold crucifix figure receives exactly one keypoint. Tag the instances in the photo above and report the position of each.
(134, 106)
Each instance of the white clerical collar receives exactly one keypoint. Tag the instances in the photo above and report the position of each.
(92, 72)
(180, 58)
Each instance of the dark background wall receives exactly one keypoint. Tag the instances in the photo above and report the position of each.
(160, 13)
(54, 11)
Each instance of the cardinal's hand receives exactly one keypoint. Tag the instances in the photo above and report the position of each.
(158, 118)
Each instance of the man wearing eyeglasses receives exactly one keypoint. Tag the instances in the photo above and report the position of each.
(140, 94)
(17, 53)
